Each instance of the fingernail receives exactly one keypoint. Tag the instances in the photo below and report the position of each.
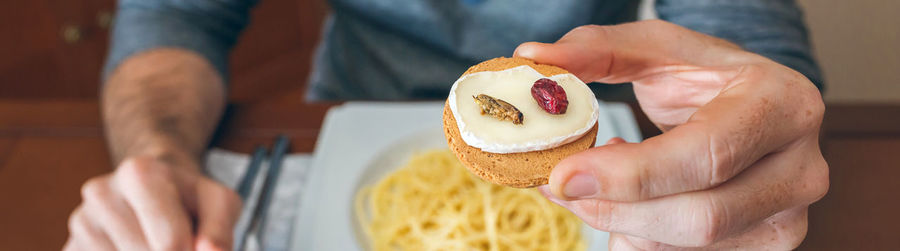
(581, 186)
(525, 51)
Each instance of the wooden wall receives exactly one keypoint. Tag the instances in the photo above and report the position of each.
(55, 49)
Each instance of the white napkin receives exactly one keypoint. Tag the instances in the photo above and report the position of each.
(228, 167)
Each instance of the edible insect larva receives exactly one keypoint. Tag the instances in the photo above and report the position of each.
(498, 108)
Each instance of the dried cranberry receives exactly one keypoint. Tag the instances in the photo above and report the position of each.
(550, 96)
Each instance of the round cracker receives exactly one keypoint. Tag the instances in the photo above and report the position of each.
(525, 169)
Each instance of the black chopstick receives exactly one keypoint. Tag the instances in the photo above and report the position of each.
(258, 212)
(275, 163)
(246, 184)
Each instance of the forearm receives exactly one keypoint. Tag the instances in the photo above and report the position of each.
(163, 103)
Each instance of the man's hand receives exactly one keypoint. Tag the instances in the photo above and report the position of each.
(737, 165)
(148, 204)
(160, 107)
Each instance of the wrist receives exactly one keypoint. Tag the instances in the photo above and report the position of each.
(167, 153)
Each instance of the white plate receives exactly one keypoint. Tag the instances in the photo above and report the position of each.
(360, 143)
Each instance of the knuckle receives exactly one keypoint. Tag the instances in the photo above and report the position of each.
(228, 196)
(721, 161)
(78, 223)
(74, 220)
(792, 240)
(94, 189)
(808, 99)
(818, 180)
(811, 100)
(814, 100)
(223, 196)
(629, 183)
(709, 224)
(790, 234)
(590, 28)
(632, 181)
(658, 23)
(139, 170)
(642, 189)
(816, 112)
(232, 198)
(585, 31)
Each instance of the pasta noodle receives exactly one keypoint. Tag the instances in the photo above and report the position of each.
(434, 203)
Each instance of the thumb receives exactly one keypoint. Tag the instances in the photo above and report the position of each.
(584, 183)
(218, 209)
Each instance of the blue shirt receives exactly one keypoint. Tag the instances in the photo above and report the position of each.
(415, 49)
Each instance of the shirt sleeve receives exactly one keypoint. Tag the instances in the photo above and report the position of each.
(772, 28)
(208, 27)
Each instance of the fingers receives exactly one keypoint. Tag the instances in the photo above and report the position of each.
(150, 190)
(783, 231)
(632, 51)
(218, 210)
(754, 118)
(109, 211)
(729, 116)
(698, 219)
(84, 235)
(147, 205)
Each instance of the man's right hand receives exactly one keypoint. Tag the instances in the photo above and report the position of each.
(160, 107)
(151, 203)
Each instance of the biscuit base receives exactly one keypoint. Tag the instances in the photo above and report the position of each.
(525, 169)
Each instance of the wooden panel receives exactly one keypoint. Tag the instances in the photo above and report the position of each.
(37, 62)
(862, 120)
(6, 147)
(84, 60)
(56, 117)
(860, 211)
(39, 187)
(27, 28)
(30, 38)
(273, 54)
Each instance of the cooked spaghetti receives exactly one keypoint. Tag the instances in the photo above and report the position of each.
(434, 203)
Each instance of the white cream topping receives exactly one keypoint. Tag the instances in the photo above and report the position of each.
(539, 130)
